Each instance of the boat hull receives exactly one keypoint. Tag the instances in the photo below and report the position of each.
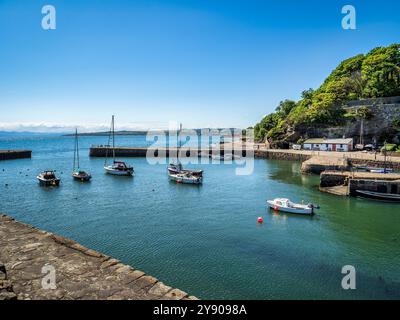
(48, 183)
(303, 211)
(117, 172)
(185, 180)
(387, 197)
(81, 177)
(196, 173)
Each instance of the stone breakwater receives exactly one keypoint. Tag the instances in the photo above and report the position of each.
(28, 256)
(103, 151)
(15, 154)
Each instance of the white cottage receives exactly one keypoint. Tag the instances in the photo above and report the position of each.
(329, 144)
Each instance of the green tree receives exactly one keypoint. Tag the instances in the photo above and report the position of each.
(376, 74)
(285, 107)
(381, 72)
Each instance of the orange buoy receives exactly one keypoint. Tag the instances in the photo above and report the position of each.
(260, 220)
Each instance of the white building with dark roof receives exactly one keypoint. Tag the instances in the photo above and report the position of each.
(320, 144)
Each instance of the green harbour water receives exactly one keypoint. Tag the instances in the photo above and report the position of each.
(205, 239)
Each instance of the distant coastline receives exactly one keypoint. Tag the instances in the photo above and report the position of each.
(144, 132)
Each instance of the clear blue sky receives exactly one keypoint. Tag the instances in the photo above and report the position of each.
(202, 62)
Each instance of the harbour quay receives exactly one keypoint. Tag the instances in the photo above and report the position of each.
(15, 154)
(348, 183)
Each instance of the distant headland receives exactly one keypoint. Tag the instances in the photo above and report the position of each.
(212, 131)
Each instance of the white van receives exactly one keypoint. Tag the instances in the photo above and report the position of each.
(296, 147)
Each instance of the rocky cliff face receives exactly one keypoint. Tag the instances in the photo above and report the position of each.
(378, 128)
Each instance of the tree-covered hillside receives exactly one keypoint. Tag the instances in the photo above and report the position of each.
(376, 74)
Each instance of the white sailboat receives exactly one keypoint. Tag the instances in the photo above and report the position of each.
(180, 175)
(117, 168)
(77, 173)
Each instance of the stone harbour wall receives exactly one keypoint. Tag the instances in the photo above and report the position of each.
(274, 154)
(395, 165)
(6, 288)
(15, 154)
(392, 187)
(318, 164)
(30, 256)
(332, 180)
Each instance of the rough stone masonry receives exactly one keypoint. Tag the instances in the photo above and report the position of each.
(80, 273)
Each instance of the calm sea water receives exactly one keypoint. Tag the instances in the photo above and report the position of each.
(205, 239)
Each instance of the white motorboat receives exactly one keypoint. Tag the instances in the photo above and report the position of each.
(175, 168)
(285, 205)
(177, 173)
(48, 178)
(185, 178)
(117, 168)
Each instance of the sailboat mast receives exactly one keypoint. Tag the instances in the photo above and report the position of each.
(77, 148)
(73, 169)
(113, 137)
(384, 170)
(178, 142)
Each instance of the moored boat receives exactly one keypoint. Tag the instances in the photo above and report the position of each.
(177, 173)
(77, 173)
(117, 168)
(81, 176)
(388, 197)
(374, 169)
(381, 170)
(285, 205)
(175, 168)
(185, 178)
(48, 178)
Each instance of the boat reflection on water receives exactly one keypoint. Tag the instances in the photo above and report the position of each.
(278, 218)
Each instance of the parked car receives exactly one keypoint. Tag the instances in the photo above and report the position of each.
(296, 147)
(369, 147)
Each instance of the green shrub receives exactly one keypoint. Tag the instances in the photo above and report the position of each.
(389, 147)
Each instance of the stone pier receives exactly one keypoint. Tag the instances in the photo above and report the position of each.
(29, 256)
(318, 164)
(347, 182)
(103, 151)
(15, 154)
